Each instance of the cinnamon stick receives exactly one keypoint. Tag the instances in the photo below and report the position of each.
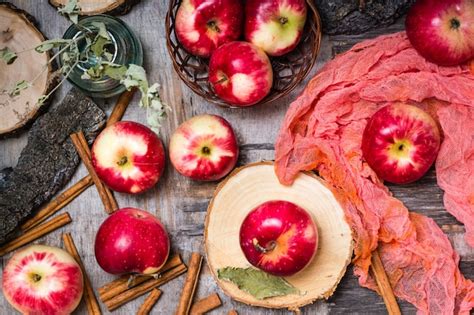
(149, 302)
(114, 288)
(121, 106)
(82, 149)
(57, 203)
(383, 284)
(143, 288)
(206, 304)
(190, 284)
(89, 297)
(36, 233)
(232, 312)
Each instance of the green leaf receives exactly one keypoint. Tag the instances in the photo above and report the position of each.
(259, 284)
(115, 71)
(19, 86)
(71, 10)
(8, 55)
(101, 39)
(52, 43)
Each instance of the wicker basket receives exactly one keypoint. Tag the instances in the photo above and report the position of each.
(288, 70)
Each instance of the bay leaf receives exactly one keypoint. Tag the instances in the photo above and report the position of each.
(257, 283)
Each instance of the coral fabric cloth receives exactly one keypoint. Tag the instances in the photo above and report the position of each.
(323, 130)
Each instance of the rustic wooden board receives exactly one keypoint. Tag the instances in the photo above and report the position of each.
(181, 204)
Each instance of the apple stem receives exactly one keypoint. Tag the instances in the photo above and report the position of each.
(213, 25)
(283, 20)
(36, 277)
(122, 161)
(270, 246)
(131, 280)
(223, 79)
(455, 24)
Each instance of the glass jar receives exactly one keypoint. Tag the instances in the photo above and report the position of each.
(125, 48)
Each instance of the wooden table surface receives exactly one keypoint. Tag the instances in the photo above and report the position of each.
(180, 203)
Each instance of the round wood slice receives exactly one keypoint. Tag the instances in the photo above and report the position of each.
(18, 32)
(91, 7)
(254, 184)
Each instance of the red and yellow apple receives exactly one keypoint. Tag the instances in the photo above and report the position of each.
(240, 73)
(131, 241)
(442, 31)
(42, 279)
(128, 157)
(279, 238)
(400, 143)
(204, 25)
(275, 26)
(204, 148)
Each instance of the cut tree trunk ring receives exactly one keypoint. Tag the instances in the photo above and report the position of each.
(19, 33)
(250, 186)
(92, 7)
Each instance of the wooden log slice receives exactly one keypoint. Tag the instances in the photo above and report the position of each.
(248, 187)
(91, 7)
(18, 32)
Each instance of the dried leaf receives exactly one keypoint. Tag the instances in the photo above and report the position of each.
(259, 284)
(71, 10)
(101, 39)
(8, 55)
(52, 43)
(115, 71)
(19, 86)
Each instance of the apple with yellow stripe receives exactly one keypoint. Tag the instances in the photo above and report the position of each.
(204, 148)
(128, 157)
(279, 238)
(275, 26)
(203, 25)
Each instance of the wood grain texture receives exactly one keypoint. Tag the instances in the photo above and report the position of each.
(181, 204)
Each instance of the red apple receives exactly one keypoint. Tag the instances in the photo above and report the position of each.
(400, 143)
(204, 25)
(43, 280)
(131, 241)
(442, 31)
(275, 26)
(240, 73)
(204, 148)
(279, 237)
(128, 157)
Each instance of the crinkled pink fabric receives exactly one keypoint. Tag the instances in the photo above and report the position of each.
(323, 130)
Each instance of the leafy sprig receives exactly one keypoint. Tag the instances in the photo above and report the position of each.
(97, 41)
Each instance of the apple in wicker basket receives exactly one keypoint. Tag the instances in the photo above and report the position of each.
(131, 241)
(279, 237)
(240, 73)
(128, 157)
(400, 143)
(204, 25)
(42, 279)
(204, 148)
(275, 26)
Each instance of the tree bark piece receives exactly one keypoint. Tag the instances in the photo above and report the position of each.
(248, 187)
(19, 33)
(92, 7)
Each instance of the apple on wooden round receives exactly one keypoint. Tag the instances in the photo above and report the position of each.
(275, 26)
(204, 148)
(240, 73)
(131, 241)
(279, 238)
(400, 143)
(203, 25)
(42, 279)
(128, 157)
(442, 31)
